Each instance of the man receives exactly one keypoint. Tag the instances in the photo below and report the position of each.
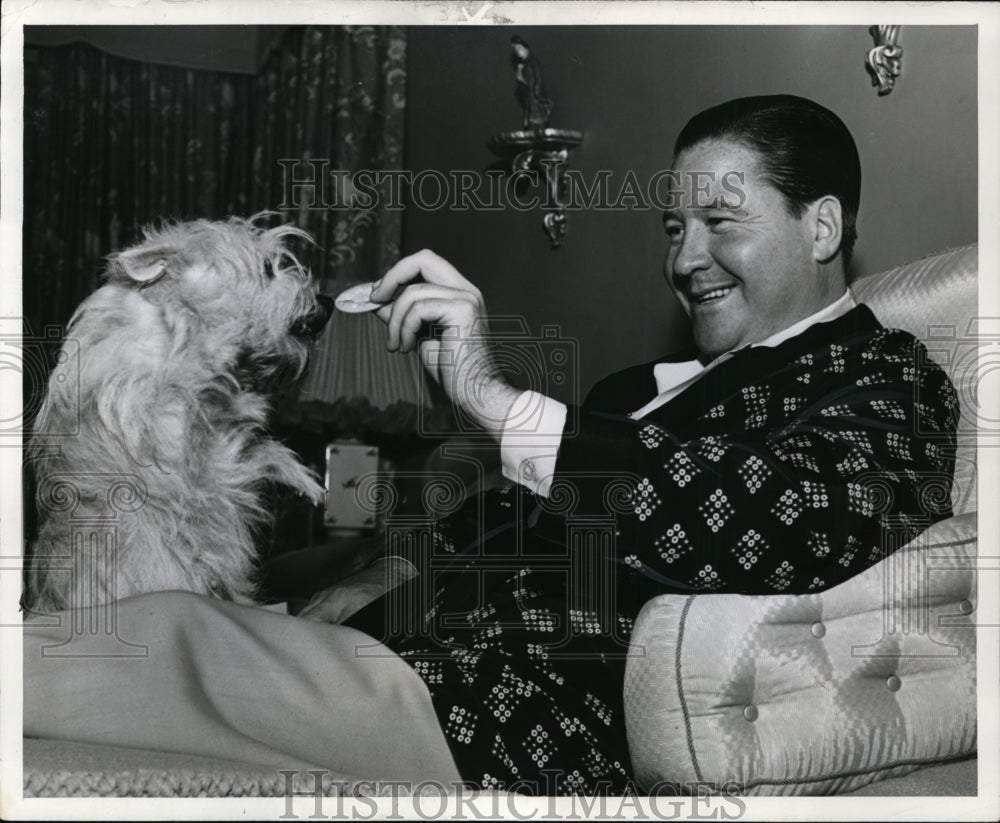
(792, 395)
(774, 457)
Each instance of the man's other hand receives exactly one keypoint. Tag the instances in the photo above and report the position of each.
(338, 602)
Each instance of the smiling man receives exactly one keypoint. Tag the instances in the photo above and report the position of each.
(774, 456)
(746, 272)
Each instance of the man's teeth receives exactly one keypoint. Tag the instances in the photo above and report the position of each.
(714, 294)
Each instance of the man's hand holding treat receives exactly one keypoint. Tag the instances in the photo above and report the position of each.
(425, 289)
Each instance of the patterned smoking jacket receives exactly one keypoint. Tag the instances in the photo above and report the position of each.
(785, 469)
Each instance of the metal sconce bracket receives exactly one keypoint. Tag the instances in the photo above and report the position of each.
(536, 147)
(542, 150)
(884, 60)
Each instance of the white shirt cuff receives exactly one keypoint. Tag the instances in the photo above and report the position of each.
(530, 441)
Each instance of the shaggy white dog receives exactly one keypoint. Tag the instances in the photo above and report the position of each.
(167, 404)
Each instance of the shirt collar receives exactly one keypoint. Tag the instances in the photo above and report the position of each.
(836, 309)
(669, 375)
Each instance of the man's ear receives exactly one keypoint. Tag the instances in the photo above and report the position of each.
(828, 220)
(145, 264)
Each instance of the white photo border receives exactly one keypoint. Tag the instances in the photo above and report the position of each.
(18, 13)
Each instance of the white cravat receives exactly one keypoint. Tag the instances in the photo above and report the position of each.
(533, 429)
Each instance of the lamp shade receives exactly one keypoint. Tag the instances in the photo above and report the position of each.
(351, 361)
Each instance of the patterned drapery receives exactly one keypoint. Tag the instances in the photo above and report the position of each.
(112, 144)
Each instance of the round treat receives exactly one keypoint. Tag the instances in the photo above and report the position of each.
(356, 299)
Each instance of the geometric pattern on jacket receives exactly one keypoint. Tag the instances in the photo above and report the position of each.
(785, 469)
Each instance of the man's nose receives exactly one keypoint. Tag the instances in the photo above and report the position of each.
(693, 253)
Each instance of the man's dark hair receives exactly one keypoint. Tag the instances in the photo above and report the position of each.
(805, 150)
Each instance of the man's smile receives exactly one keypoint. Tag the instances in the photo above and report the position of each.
(710, 296)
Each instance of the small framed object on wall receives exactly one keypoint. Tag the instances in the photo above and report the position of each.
(350, 469)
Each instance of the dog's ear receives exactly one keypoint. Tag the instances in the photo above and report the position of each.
(145, 264)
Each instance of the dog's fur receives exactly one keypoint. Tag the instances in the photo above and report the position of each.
(177, 353)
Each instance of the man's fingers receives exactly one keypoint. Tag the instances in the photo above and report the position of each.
(414, 319)
(401, 305)
(421, 312)
(425, 303)
(432, 267)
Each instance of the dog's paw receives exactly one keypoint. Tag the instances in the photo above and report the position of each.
(283, 466)
(315, 492)
(306, 484)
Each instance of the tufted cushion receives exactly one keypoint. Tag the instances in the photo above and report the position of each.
(811, 694)
(936, 299)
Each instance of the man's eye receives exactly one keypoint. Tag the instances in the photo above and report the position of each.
(714, 222)
(674, 230)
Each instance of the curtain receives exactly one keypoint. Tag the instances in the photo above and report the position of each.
(112, 144)
(336, 94)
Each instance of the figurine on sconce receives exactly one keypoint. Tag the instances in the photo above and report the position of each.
(536, 147)
(884, 60)
(530, 86)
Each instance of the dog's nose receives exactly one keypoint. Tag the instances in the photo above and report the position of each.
(314, 322)
(326, 305)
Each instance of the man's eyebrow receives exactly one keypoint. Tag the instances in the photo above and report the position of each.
(719, 204)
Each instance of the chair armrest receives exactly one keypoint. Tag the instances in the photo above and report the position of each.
(811, 694)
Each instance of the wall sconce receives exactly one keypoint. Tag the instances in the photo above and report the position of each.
(537, 148)
(884, 60)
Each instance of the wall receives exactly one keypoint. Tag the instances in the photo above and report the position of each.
(631, 90)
